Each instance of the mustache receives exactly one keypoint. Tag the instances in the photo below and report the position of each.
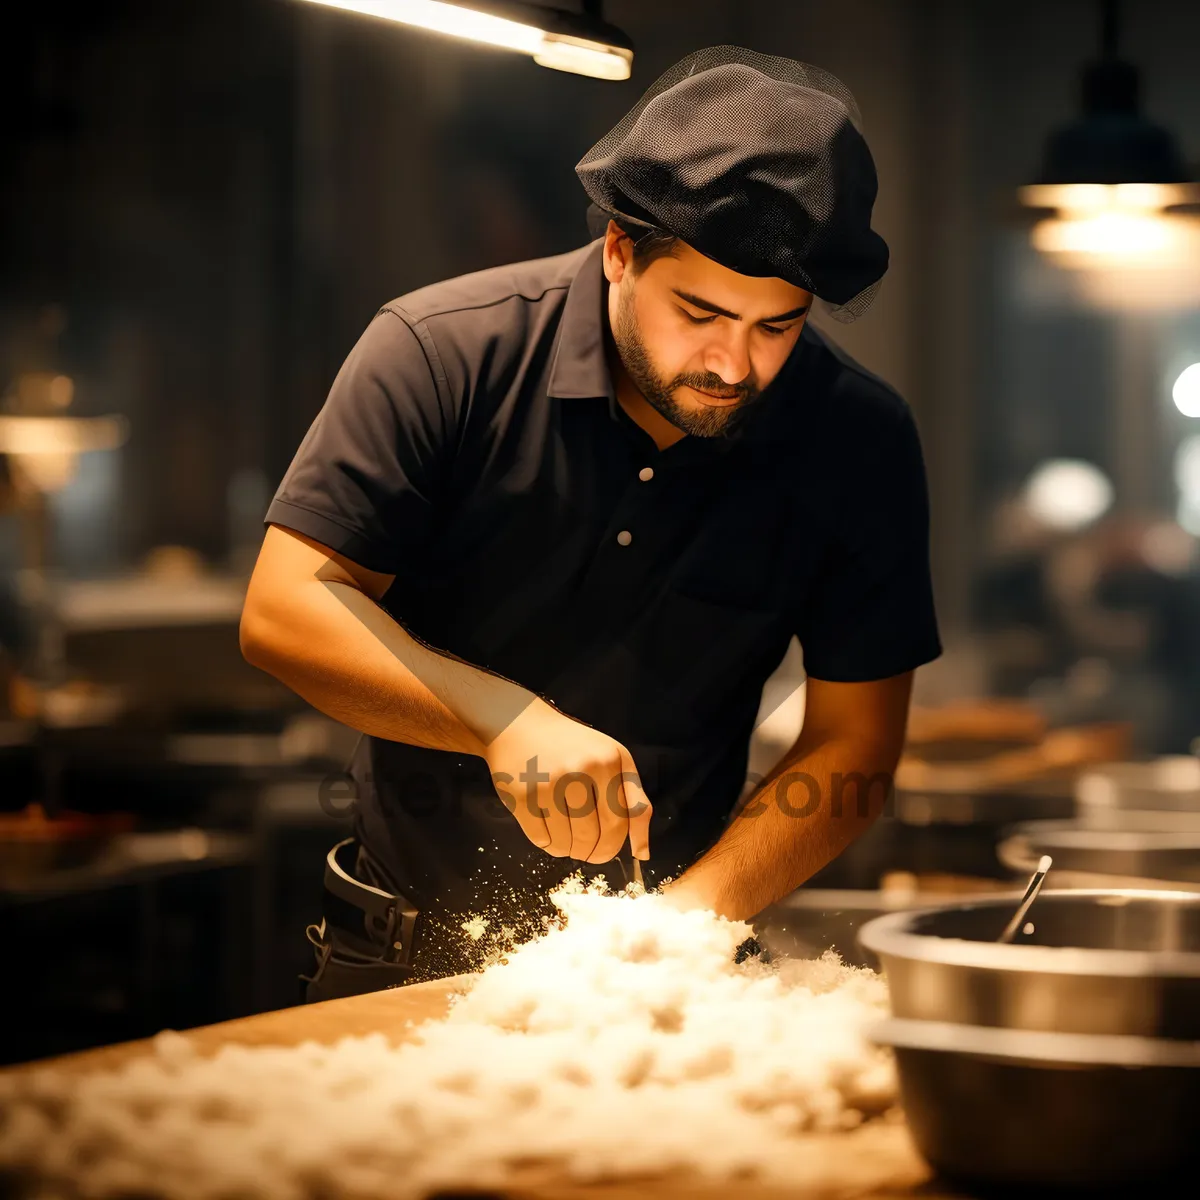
(715, 386)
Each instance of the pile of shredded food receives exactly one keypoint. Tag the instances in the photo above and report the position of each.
(625, 1042)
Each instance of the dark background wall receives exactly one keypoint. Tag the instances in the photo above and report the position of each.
(201, 206)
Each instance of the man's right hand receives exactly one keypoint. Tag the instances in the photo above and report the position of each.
(574, 790)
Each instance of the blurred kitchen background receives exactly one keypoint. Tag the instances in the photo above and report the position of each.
(203, 204)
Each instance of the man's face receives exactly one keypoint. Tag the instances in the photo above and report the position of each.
(699, 341)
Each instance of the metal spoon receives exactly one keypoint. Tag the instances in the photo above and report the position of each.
(631, 867)
(1035, 886)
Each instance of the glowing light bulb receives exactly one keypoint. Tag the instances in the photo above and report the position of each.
(1186, 392)
(1121, 224)
(1068, 494)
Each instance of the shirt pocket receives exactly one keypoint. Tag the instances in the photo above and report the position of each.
(739, 557)
(703, 665)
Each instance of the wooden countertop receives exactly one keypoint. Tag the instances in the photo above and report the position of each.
(388, 1012)
(876, 1162)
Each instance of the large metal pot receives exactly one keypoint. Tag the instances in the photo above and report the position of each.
(1026, 1109)
(1100, 961)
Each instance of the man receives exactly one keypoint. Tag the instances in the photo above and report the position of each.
(557, 523)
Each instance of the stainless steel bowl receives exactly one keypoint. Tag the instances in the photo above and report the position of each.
(1023, 1109)
(1138, 848)
(1100, 961)
(1167, 784)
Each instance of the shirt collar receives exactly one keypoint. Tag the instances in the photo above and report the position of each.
(580, 367)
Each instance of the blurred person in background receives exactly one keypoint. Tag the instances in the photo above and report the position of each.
(1013, 608)
(557, 523)
(1146, 577)
(1098, 623)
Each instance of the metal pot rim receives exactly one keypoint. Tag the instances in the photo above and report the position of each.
(1152, 774)
(889, 935)
(1037, 1047)
(1078, 835)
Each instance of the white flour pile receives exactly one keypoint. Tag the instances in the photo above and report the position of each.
(627, 1043)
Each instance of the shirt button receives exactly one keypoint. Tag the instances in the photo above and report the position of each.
(646, 473)
(624, 537)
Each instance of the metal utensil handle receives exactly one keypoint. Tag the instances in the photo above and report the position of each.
(1035, 886)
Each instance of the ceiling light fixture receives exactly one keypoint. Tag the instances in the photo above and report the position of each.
(1113, 189)
(582, 43)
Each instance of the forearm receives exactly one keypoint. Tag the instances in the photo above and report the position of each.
(822, 795)
(334, 646)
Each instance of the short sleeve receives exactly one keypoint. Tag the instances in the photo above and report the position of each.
(366, 478)
(870, 611)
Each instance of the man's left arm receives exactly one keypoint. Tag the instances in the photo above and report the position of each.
(822, 795)
(865, 626)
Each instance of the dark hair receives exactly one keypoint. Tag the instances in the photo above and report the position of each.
(648, 244)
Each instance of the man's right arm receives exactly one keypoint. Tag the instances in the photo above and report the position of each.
(312, 620)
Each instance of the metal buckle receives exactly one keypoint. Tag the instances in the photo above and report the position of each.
(384, 915)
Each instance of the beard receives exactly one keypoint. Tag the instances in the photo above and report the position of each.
(659, 393)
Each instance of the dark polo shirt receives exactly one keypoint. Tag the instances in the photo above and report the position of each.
(472, 445)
